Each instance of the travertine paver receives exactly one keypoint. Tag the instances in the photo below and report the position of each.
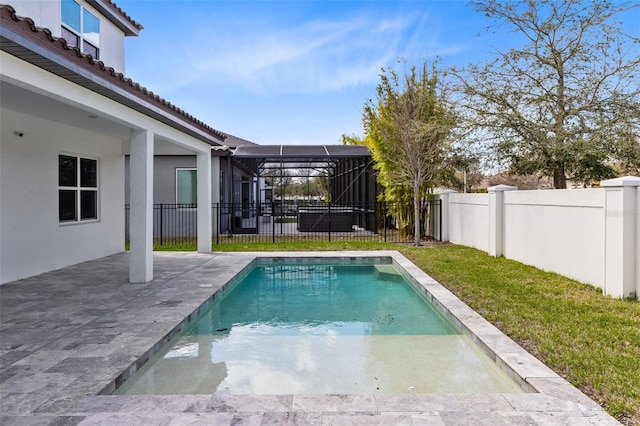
(68, 337)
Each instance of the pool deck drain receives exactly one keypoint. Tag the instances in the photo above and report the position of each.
(68, 335)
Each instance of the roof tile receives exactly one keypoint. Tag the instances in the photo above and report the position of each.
(122, 13)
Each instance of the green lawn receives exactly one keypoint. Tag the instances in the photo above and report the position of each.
(591, 340)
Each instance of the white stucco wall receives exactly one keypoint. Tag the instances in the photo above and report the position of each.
(469, 220)
(111, 44)
(32, 239)
(47, 14)
(557, 230)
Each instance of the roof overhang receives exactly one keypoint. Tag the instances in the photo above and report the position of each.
(19, 37)
(117, 16)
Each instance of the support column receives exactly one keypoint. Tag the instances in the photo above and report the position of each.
(204, 202)
(445, 220)
(1, 268)
(496, 218)
(621, 240)
(141, 210)
(215, 194)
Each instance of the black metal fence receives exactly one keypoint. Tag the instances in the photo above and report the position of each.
(286, 221)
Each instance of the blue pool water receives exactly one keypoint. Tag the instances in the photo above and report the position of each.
(291, 328)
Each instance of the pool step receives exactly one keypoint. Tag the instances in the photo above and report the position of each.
(388, 271)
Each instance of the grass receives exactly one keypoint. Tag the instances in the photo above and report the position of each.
(591, 340)
(294, 245)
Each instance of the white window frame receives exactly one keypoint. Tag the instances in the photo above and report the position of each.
(178, 203)
(78, 188)
(80, 34)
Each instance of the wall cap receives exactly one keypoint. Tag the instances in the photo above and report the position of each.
(621, 181)
(502, 188)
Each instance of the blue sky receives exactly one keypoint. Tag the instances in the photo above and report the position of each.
(291, 72)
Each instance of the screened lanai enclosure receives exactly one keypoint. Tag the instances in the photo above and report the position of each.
(285, 189)
(290, 193)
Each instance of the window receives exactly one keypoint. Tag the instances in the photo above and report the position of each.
(80, 28)
(186, 187)
(77, 189)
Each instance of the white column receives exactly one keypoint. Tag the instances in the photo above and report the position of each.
(1, 180)
(215, 192)
(637, 261)
(444, 199)
(496, 218)
(621, 237)
(141, 206)
(204, 202)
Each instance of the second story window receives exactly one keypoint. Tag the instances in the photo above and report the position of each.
(80, 28)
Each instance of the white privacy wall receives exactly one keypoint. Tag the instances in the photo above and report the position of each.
(591, 235)
(469, 220)
(559, 230)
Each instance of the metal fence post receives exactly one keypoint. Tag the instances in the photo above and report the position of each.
(161, 222)
(329, 210)
(384, 219)
(273, 222)
(216, 210)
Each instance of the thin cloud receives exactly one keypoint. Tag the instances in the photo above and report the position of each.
(257, 56)
(308, 58)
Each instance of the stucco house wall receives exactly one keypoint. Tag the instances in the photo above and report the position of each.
(164, 177)
(33, 241)
(56, 101)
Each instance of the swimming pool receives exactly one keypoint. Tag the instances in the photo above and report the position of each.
(301, 326)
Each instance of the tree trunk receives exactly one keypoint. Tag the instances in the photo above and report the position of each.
(416, 214)
(559, 179)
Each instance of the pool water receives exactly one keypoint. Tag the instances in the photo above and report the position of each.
(332, 328)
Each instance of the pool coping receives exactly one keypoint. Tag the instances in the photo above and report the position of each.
(68, 390)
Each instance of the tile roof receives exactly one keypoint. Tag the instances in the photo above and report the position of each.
(234, 141)
(22, 38)
(116, 9)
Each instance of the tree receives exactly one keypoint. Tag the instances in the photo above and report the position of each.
(465, 170)
(567, 103)
(408, 129)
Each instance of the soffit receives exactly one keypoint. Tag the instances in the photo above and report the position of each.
(27, 102)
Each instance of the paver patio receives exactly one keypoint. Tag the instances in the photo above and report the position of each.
(68, 337)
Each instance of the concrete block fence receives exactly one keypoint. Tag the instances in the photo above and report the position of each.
(591, 235)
